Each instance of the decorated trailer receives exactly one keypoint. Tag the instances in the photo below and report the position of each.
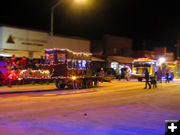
(64, 67)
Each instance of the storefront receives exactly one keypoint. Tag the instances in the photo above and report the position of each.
(120, 64)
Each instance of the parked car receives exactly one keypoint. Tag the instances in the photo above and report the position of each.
(110, 74)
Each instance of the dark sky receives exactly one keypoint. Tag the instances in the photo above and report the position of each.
(156, 21)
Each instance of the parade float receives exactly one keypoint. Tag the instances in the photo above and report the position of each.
(63, 67)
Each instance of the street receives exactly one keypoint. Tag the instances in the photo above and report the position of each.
(112, 108)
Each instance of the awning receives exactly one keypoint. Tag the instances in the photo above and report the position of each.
(9, 53)
(97, 59)
(120, 59)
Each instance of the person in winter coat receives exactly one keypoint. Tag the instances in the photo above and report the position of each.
(2, 79)
(147, 80)
(154, 81)
(167, 77)
(23, 62)
(101, 73)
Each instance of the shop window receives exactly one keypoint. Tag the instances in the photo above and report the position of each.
(74, 64)
(69, 63)
(49, 58)
(114, 65)
(61, 58)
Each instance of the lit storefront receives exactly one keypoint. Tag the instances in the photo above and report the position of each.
(120, 64)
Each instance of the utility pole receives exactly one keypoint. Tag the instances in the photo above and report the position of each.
(178, 47)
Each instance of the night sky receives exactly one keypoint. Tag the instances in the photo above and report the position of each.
(154, 21)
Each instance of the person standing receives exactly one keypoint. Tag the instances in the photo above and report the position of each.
(101, 73)
(147, 80)
(23, 62)
(154, 81)
(127, 74)
(167, 77)
(2, 79)
(160, 75)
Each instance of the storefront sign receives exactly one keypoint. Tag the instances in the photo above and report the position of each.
(21, 39)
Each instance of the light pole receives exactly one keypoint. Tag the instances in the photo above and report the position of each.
(177, 45)
(52, 19)
(52, 16)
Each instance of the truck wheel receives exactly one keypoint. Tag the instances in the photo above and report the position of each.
(80, 84)
(75, 85)
(85, 83)
(140, 79)
(60, 85)
(89, 83)
(95, 82)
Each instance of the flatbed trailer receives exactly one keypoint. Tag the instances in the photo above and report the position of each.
(67, 69)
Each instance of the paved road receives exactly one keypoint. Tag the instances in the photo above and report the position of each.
(119, 107)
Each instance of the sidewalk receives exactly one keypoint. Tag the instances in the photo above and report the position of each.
(27, 88)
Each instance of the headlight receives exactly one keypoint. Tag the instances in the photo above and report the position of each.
(73, 77)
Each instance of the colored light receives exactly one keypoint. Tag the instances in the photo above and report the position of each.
(162, 60)
(74, 78)
(78, 0)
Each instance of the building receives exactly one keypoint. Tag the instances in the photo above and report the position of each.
(112, 46)
(162, 52)
(31, 43)
(115, 50)
(117, 46)
(157, 53)
(143, 53)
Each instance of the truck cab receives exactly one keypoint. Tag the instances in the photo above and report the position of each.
(140, 65)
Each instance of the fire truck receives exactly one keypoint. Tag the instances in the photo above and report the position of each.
(64, 67)
(154, 67)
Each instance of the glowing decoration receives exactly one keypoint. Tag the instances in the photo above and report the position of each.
(84, 64)
(162, 60)
(34, 74)
(71, 54)
(73, 77)
(61, 57)
(79, 64)
(12, 75)
(49, 58)
(78, 0)
(143, 59)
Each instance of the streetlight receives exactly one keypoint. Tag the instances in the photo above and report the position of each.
(162, 60)
(52, 17)
(79, 0)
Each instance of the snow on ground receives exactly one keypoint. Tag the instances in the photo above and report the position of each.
(135, 112)
(122, 120)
